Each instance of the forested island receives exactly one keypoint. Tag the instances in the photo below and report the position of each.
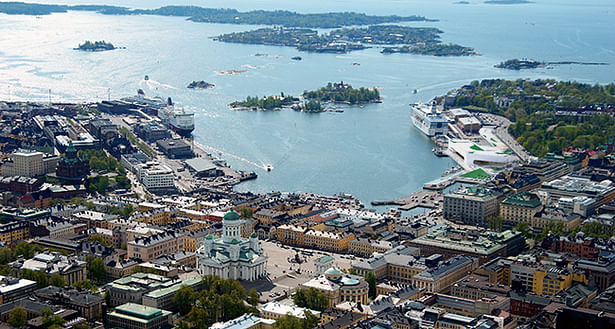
(437, 49)
(332, 93)
(521, 64)
(343, 93)
(95, 46)
(200, 85)
(215, 15)
(265, 103)
(548, 115)
(416, 40)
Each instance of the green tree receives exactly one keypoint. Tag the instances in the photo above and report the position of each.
(311, 298)
(57, 280)
(86, 284)
(371, 280)
(96, 269)
(253, 297)
(495, 223)
(182, 325)
(50, 320)
(6, 256)
(18, 316)
(524, 228)
(245, 212)
(183, 299)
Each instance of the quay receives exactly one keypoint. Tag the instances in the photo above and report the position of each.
(421, 199)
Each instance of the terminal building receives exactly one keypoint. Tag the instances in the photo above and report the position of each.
(175, 148)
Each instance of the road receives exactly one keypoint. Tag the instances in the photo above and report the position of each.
(501, 131)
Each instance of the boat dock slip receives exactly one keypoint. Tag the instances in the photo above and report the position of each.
(422, 199)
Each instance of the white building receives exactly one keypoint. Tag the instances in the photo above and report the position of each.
(30, 164)
(232, 256)
(154, 175)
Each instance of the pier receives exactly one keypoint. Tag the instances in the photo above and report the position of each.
(422, 199)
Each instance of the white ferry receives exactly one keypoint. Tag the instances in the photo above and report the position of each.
(428, 120)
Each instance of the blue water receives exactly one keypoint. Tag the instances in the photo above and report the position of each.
(372, 152)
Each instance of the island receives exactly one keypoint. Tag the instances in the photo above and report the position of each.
(417, 40)
(95, 46)
(343, 93)
(437, 49)
(521, 64)
(216, 15)
(266, 103)
(200, 85)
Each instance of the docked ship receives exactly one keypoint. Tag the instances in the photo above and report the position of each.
(428, 120)
(177, 119)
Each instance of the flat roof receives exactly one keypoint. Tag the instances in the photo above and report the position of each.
(200, 164)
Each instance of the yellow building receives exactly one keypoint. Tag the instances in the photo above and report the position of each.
(520, 208)
(340, 287)
(164, 216)
(550, 281)
(14, 231)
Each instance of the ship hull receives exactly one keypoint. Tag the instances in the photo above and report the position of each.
(185, 132)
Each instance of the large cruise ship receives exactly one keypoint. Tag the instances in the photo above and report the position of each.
(428, 119)
(178, 119)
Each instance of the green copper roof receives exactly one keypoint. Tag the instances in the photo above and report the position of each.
(209, 237)
(253, 235)
(71, 147)
(231, 215)
(333, 271)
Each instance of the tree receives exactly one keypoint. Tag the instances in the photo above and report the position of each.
(371, 280)
(182, 325)
(18, 316)
(289, 322)
(495, 223)
(57, 280)
(183, 299)
(85, 284)
(96, 269)
(6, 256)
(245, 212)
(311, 298)
(50, 320)
(524, 228)
(253, 297)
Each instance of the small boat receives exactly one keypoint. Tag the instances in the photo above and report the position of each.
(296, 58)
(356, 64)
(146, 77)
(415, 91)
(268, 167)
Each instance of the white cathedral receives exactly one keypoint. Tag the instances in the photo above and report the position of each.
(232, 256)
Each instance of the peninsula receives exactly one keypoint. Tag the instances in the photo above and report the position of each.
(200, 85)
(95, 46)
(417, 40)
(215, 15)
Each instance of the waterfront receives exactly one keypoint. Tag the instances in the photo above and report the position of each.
(372, 152)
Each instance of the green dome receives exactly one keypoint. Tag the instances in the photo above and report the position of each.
(234, 241)
(333, 271)
(253, 235)
(209, 237)
(231, 215)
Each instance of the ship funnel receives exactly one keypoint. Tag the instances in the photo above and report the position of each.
(169, 101)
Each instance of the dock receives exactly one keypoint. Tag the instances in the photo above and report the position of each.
(422, 199)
